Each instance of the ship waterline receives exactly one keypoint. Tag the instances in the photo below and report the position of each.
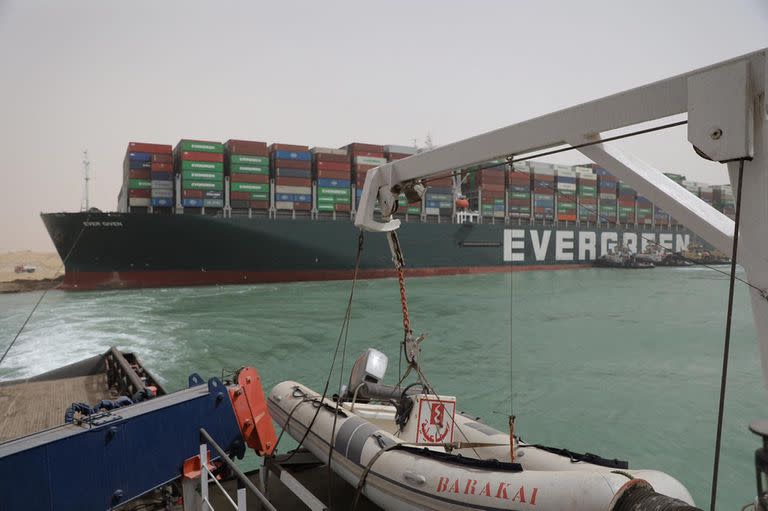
(128, 250)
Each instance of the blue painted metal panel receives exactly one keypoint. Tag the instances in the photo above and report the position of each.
(292, 155)
(145, 447)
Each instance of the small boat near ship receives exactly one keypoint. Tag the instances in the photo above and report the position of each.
(658, 256)
(622, 257)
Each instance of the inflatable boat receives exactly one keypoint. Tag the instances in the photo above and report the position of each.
(410, 449)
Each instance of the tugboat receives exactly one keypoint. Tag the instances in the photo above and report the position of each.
(622, 257)
(658, 256)
(698, 254)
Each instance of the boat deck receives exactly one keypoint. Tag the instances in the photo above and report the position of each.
(32, 406)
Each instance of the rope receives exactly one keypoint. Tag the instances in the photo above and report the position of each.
(727, 342)
(45, 292)
(333, 361)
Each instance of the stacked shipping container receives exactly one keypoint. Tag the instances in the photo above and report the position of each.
(144, 172)
(292, 169)
(543, 176)
(606, 186)
(565, 184)
(627, 197)
(586, 186)
(333, 174)
(201, 167)
(486, 188)
(519, 191)
(439, 199)
(247, 165)
(644, 210)
(724, 200)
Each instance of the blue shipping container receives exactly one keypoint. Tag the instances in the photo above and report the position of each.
(162, 176)
(282, 172)
(192, 203)
(161, 202)
(292, 155)
(138, 164)
(300, 197)
(140, 156)
(340, 183)
(284, 197)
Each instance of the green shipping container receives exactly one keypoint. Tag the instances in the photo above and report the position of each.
(260, 195)
(413, 210)
(565, 206)
(325, 206)
(488, 208)
(199, 175)
(202, 165)
(202, 185)
(332, 192)
(342, 200)
(258, 161)
(249, 187)
(238, 168)
(519, 195)
(624, 210)
(327, 199)
(202, 147)
(141, 184)
(586, 194)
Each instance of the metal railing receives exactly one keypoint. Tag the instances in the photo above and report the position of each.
(243, 483)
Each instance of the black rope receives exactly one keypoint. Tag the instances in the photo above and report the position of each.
(566, 149)
(45, 291)
(345, 321)
(727, 343)
(345, 332)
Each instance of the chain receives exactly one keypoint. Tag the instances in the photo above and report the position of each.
(404, 301)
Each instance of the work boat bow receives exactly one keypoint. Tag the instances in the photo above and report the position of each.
(409, 448)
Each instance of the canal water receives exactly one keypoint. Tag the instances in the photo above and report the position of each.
(625, 364)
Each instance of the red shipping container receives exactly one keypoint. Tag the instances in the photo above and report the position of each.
(239, 195)
(246, 147)
(566, 217)
(259, 204)
(397, 156)
(249, 178)
(358, 146)
(162, 158)
(288, 147)
(493, 189)
(142, 147)
(138, 174)
(302, 206)
(193, 194)
(292, 164)
(195, 156)
(342, 207)
(162, 167)
(332, 165)
(140, 194)
(293, 181)
(364, 168)
(337, 158)
(519, 202)
(333, 174)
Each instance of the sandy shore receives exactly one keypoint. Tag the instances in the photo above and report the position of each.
(49, 271)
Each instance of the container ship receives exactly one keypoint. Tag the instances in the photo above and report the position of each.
(207, 213)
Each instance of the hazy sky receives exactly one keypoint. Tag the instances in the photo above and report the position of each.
(95, 75)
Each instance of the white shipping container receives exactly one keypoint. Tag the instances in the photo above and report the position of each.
(162, 185)
(542, 168)
(370, 160)
(432, 211)
(579, 169)
(404, 149)
(566, 186)
(139, 201)
(566, 172)
(561, 168)
(301, 190)
(328, 150)
(162, 194)
(521, 166)
(586, 175)
(283, 205)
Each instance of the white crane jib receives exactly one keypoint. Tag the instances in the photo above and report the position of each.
(727, 113)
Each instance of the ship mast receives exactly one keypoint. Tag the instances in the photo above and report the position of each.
(87, 177)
